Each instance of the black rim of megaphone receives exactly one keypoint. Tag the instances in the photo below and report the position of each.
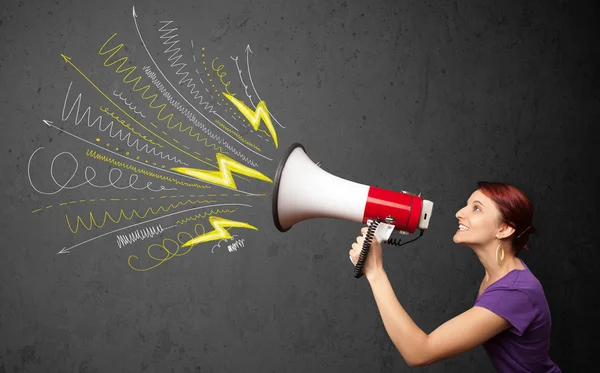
(280, 167)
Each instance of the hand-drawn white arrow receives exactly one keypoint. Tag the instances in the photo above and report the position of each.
(248, 51)
(67, 250)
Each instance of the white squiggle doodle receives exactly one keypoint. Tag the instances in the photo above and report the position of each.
(234, 246)
(89, 174)
(219, 243)
(129, 105)
(126, 138)
(140, 234)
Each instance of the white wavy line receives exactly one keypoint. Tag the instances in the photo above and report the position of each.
(129, 105)
(124, 138)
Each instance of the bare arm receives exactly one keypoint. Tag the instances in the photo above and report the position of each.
(457, 335)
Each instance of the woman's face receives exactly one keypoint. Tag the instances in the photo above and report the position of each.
(478, 221)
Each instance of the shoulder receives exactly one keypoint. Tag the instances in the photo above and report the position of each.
(517, 299)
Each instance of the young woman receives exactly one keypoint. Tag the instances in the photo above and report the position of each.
(510, 317)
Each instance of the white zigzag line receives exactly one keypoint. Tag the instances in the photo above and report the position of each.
(126, 138)
(191, 117)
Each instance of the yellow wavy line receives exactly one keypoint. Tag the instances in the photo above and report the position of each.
(107, 216)
(240, 137)
(145, 89)
(149, 198)
(196, 217)
(114, 162)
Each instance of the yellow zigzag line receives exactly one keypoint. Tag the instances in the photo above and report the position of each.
(183, 221)
(240, 137)
(104, 158)
(254, 116)
(145, 89)
(220, 232)
(107, 215)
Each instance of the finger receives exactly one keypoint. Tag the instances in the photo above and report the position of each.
(360, 240)
(364, 230)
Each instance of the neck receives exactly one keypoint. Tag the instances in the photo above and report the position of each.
(494, 271)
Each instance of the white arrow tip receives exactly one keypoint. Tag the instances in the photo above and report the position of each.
(134, 14)
(48, 123)
(63, 251)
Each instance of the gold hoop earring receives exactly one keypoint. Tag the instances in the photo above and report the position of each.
(501, 259)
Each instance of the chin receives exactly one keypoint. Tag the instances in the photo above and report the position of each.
(455, 238)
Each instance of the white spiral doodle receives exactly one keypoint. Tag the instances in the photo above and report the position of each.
(89, 174)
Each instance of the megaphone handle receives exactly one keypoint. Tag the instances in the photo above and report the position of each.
(366, 247)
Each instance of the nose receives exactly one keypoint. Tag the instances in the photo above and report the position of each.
(459, 213)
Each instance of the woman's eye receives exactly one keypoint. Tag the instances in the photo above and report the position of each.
(476, 208)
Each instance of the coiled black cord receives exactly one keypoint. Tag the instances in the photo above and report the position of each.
(366, 247)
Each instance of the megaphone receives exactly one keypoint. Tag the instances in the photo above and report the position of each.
(302, 190)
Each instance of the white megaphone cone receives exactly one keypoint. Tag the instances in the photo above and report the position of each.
(302, 190)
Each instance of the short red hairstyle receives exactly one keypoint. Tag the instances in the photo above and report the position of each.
(515, 208)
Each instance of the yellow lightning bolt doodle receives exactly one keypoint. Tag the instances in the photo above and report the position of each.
(254, 117)
(220, 233)
(223, 176)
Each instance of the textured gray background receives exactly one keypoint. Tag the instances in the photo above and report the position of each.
(424, 96)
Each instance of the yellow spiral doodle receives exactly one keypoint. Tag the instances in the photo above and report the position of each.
(168, 254)
(189, 241)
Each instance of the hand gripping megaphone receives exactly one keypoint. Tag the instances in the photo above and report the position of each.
(302, 190)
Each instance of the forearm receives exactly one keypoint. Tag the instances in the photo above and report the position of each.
(408, 338)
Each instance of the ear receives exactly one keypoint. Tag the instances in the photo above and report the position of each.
(505, 231)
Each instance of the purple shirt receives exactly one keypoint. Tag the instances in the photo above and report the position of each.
(524, 347)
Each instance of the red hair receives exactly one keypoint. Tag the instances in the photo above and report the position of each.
(516, 210)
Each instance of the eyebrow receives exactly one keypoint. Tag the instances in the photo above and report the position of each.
(479, 203)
